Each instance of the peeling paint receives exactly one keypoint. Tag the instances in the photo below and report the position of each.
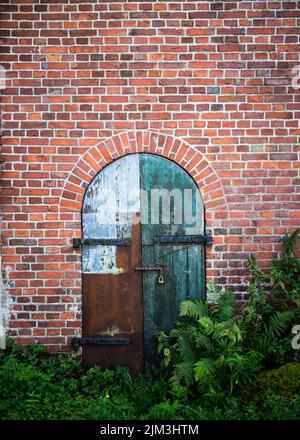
(113, 330)
(75, 307)
(118, 270)
(110, 205)
(6, 304)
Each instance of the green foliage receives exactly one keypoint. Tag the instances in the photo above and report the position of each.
(284, 381)
(275, 394)
(285, 273)
(36, 385)
(209, 348)
(283, 279)
(29, 389)
(217, 347)
(268, 330)
(274, 305)
(217, 360)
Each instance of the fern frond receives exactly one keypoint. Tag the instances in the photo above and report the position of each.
(279, 321)
(183, 372)
(203, 369)
(204, 342)
(207, 325)
(193, 309)
(226, 306)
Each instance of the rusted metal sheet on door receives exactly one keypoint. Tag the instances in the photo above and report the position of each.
(112, 299)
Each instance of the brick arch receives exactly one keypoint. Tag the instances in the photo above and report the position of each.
(100, 155)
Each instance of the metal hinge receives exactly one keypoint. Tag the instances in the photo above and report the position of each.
(78, 342)
(77, 242)
(184, 239)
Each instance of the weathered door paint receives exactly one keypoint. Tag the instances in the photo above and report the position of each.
(112, 300)
(138, 197)
(183, 263)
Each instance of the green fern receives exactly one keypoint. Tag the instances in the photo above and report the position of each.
(285, 272)
(216, 348)
(265, 328)
(205, 369)
(193, 309)
(226, 309)
(208, 349)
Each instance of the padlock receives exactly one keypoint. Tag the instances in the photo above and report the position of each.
(161, 279)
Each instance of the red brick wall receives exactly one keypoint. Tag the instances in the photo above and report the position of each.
(207, 83)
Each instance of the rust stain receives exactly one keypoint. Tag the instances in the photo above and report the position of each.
(112, 306)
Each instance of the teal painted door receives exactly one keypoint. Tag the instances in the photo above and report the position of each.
(171, 206)
(154, 205)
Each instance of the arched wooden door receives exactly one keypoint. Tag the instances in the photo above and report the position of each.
(142, 254)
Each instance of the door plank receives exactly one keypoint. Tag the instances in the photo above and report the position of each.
(183, 272)
(112, 299)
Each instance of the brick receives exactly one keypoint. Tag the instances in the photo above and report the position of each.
(203, 83)
(213, 90)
